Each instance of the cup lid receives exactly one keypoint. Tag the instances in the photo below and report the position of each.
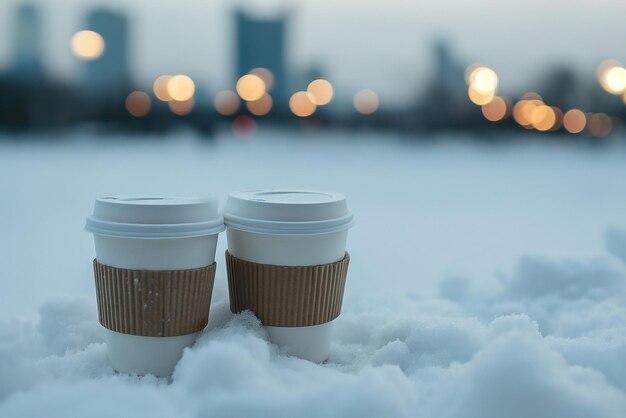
(285, 211)
(154, 217)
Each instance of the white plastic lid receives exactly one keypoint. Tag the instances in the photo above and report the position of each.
(154, 217)
(285, 212)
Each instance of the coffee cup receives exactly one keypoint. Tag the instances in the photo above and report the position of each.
(154, 273)
(287, 263)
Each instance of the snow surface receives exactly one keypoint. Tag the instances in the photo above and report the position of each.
(484, 282)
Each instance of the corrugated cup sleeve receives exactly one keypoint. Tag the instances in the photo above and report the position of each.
(153, 303)
(287, 296)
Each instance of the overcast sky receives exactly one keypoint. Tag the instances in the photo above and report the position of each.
(384, 45)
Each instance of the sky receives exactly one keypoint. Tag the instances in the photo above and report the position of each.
(385, 46)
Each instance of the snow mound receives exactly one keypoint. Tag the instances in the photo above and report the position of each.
(548, 341)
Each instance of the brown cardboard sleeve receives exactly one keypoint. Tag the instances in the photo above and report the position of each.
(287, 296)
(153, 303)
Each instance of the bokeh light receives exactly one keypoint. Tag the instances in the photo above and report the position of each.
(226, 102)
(599, 124)
(243, 126)
(558, 121)
(543, 117)
(181, 88)
(320, 92)
(484, 80)
(469, 71)
(518, 113)
(301, 105)
(182, 108)
(532, 112)
(251, 87)
(87, 45)
(616, 80)
(612, 77)
(260, 107)
(366, 102)
(478, 97)
(495, 110)
(540, 115)
(159, 87)
(138, 103)
(265, 75)
(574, 121)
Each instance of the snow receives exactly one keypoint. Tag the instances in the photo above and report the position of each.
(484, 282)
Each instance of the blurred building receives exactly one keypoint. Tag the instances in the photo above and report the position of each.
(26, 63)
(29, 100)
(110, 73)
(445, 103)
(449, 74)
(262, 43)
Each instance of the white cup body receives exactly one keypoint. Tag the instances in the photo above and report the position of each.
(287, 250)
(313, 342)
(155, 355)
(156, 254)
(146, 355)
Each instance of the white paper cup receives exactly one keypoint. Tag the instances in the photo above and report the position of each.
(156, 234)
(290, 228)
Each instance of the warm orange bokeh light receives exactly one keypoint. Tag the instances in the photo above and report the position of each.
(495, 110)
(301, 105)
(320, 92)
(574, 121)
(87, 45)
(251, 87)
(226, 102)
(543, 118)
(478, 97)
(159, 87)
(138, 104)
(612, 76)
(616, 80)
(265, 75)
(483, 80)
(532, 112)
(469, 72)
(181, 88)
(260, 107)
(518, 113)
(182, 108)
(528, 111)
(366, 102)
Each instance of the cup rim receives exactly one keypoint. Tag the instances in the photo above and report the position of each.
(153, 231)
(289, 228)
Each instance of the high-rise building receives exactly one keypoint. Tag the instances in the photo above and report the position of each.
(449, 75)
(27, 65)
(262, 43)
(108, 74)
(445, 103)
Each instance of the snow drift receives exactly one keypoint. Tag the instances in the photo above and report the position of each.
(549, 341)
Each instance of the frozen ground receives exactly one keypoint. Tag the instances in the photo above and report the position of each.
(484, 282)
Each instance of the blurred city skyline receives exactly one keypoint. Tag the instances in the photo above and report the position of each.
(354, 43)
